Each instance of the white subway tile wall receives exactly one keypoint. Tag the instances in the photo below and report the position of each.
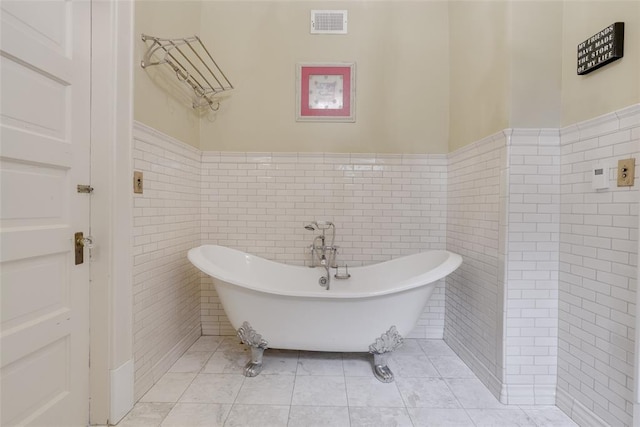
(598, 265)
(166, 287)
(532, 229)
(474, 296)
(545, 298)
(383, 206)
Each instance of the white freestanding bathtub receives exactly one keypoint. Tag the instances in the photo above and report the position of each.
(369, 312)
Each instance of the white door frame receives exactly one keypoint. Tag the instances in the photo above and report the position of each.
(111, 372)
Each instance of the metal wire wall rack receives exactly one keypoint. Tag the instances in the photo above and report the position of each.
(192, 64)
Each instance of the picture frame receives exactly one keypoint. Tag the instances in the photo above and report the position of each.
(326, 92)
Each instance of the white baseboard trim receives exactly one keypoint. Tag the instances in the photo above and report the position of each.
(434, 332)
(517, 394)
(494, 385)
(121, 399)
(530, 394)
(163, 365)
(577, 411)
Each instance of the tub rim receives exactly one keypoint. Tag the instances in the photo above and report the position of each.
(451, 263)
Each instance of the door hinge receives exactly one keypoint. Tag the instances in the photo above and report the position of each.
(85, 189)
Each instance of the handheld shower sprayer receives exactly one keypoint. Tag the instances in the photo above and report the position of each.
(322, 226)
(323, 254)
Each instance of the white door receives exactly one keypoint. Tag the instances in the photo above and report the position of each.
(44, 155)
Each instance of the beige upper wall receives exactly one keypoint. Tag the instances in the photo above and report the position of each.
(505, 67)
(479, 70)
(614, 86)
(431, 76)
(535, 55)
(513, 64)
(160, 100)
(402, 76)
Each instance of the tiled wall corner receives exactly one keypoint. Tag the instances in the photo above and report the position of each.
(166, 287)
(531, 220)
(474, 299)
(501, 304)
(598, 268)
(384, 206)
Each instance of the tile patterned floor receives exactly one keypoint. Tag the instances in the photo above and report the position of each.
(433, 387)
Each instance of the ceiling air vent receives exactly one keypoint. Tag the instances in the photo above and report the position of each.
(328, 22)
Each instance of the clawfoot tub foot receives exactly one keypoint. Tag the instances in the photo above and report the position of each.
(254, 340)
(381, 349)
(254, 366)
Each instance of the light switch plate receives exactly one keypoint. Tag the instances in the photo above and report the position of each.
(137, 182)
(626, 172)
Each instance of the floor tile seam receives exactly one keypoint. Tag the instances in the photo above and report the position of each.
(218, 403)
(419, 377)
(244, 378)
(315, 375)
(421, 352)
(469, 416)
(435, 367)
(387, 407)
(183, 391)
(413, 422)
(459, 378)
(454, 395)
(344, 383)
(173, 405)
(503, 405)
(293, 389)
(344, 375)
(346, 392)
(198, 403)
(289, 412)
(226, 418)
(233, 405)
(205, 363)
(406, 410)
(193, 379)
(394, 407)
(404, 402)
(507, 407)
(333, 405)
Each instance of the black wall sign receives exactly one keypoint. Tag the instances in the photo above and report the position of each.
(603, 47)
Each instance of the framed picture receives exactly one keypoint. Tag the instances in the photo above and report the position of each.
(325, 92)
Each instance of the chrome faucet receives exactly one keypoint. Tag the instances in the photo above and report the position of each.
(323, 254)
